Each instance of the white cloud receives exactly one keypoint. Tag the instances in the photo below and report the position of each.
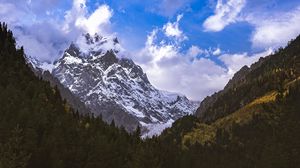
(10, 13)
(167, 66)
(41, 39)
(33, 46)
(157, 52)
(194, 51)
(274, 30)
(32, 7)
(78, 10)
(225, 14)
(45, 38)
(234, 62)
(172, 29)
(78, 18)
(41, 45)
(99, 18)
(188, 72)
(169, 69)
(217, 51)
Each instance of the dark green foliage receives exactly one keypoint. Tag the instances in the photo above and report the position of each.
(268, 74)
(271, 138)
(12, 153)
(39, 130)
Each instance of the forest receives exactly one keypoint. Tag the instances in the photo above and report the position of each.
(39, 129)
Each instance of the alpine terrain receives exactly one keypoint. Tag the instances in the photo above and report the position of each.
(253, 122)
(115, 87)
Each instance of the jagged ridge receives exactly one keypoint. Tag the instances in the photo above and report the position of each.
(117, 88)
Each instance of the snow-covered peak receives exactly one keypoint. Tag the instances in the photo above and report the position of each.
(94, 45)
(36, 64)
(119, 81)
(115, 87)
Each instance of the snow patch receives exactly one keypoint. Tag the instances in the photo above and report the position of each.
(156, 128)
(126, 86)
(72, 60)
(47, 67)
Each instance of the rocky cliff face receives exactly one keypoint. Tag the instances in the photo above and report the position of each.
(66, 94)
(117, 88)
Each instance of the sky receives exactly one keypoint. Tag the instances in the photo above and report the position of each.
(191, 47)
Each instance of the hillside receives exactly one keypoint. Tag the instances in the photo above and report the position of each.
(268, 74)
(40, 129)
(113, 86)
(253, 122)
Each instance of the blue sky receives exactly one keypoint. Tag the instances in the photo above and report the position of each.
(188, 46)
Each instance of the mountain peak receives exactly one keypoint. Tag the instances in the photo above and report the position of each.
(95, 45)
(108, 59)
(117, 88)
(73, 49)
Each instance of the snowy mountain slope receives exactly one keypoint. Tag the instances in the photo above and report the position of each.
(117, 88)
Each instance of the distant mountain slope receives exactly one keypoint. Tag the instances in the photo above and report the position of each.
(253, 122)
(267, 74)
(38, 129)
(117, 88)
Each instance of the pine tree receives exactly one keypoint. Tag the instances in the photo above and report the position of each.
(12, 154)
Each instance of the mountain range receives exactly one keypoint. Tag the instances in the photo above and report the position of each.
(115, 87)
(253, 122)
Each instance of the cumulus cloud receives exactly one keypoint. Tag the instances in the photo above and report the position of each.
(172, 29)
(274, 30)
(194, 51)
(192, 72)
(170, 69)
(150, 50)
(42, 40)
(45, 38)
(217, 51)
(10, 13)
(79, 18)
(234, 62)
(225, 13)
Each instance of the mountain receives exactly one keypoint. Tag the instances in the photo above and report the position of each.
(66, 94)
(253, 122)
(39, 129)
(268, 74)
(116, 88)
